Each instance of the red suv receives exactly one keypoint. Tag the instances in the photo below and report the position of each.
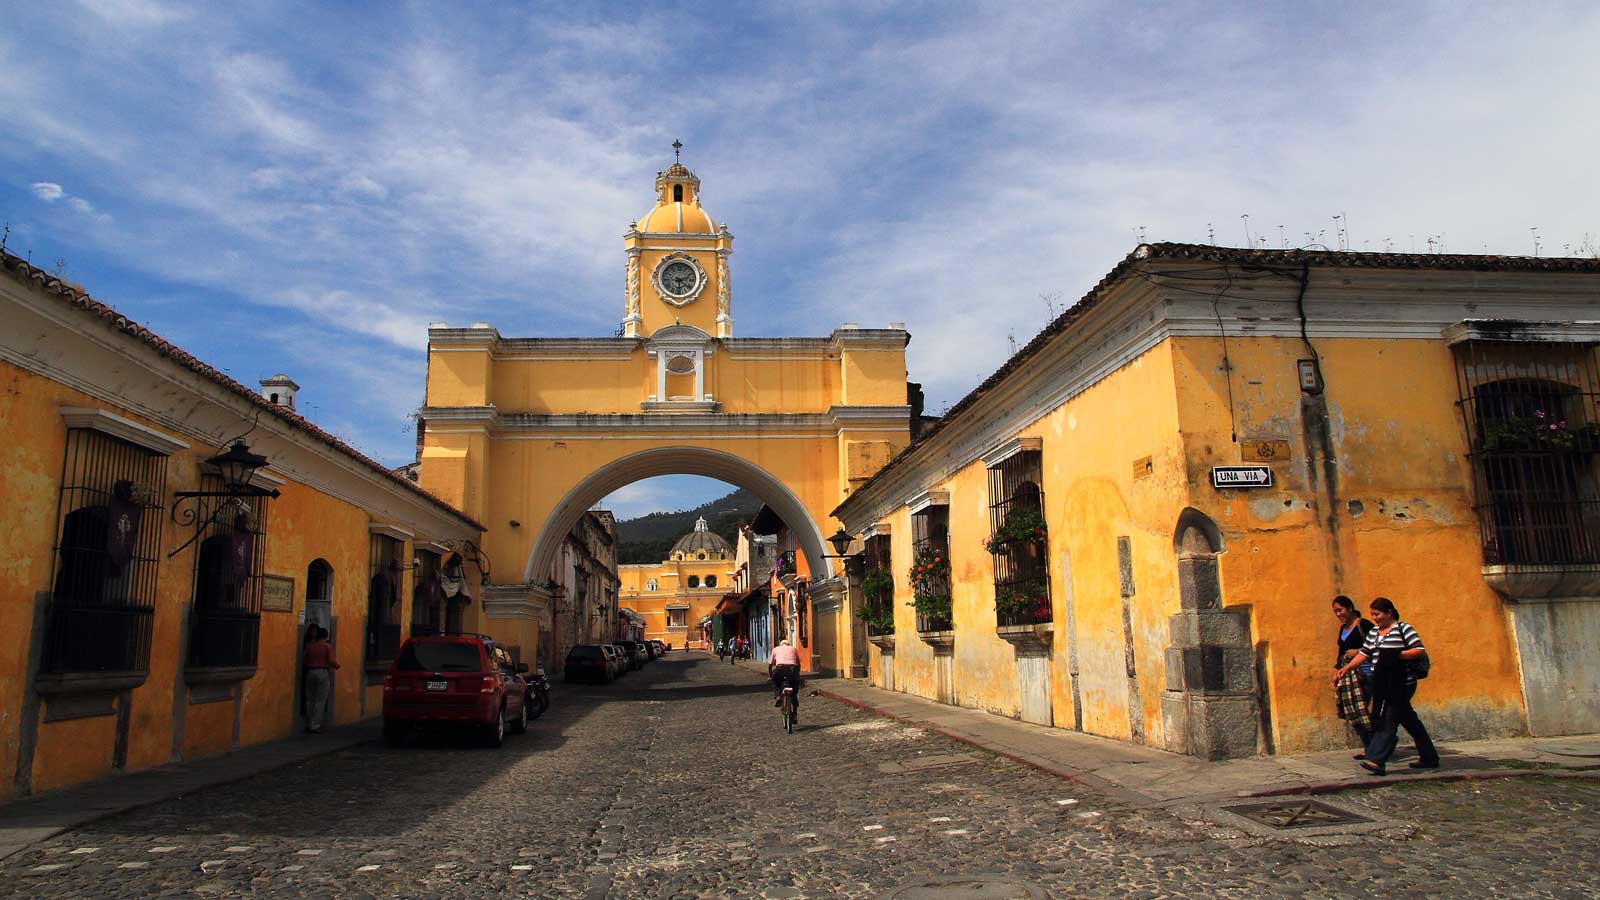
(459, 681)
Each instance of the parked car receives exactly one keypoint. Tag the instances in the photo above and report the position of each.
(617, 661)
(634, 653)
(651, 649)
(457, 681)
(661, 646)
(589, 661)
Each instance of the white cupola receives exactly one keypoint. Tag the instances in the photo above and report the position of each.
(279, 390)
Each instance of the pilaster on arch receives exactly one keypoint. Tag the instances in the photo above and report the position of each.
(682, 460)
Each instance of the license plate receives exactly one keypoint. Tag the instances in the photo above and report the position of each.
(438, 685)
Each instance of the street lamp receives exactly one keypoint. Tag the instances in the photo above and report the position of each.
(236, 467)
(841, 542)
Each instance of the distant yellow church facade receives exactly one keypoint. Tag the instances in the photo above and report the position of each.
(674, 595)
(527, 433)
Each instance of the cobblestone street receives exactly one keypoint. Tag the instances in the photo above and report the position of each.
(679, 782)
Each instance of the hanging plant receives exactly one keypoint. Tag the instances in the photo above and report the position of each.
(879, 617)
(930, 583)
(1022, 525)
(878, 585)
(1538, 432)
(1030, 598)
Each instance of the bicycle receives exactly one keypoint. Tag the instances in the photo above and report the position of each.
(790, 708)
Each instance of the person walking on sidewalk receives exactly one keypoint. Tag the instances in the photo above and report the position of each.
(1398, 658)
(320, 663)
(1350, 691)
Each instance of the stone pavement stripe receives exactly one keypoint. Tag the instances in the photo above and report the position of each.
(370, 867)
(49, 867)
(83, 850)
(133, 865)
(958, 831)
(294, 868)
(162, 849)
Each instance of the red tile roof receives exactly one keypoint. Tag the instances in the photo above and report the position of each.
(1292, 259)
(75, 296)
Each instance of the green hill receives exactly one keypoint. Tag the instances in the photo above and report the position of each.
(647, 539)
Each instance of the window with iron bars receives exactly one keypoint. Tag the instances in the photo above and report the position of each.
(1532, 414)
(383, 601)
(877, 586)
(427, 597)
(1019, 540)
(802, 606)
(102, 602)
(930, 568)
(225, 626)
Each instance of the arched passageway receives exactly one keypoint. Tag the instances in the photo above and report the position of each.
(678, 461)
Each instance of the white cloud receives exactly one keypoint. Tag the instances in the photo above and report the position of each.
(142, 13)
(48, 191)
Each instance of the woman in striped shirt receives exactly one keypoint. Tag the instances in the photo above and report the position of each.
(1392, 645)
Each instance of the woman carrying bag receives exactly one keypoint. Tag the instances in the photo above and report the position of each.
(1399, 659)
(1350, 690)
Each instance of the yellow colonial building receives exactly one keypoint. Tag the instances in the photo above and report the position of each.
(676, 593)
(1136, 526)
(527, 433)
(154, 594)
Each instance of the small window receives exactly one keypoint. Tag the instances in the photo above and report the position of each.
(702, 554)
(711, 581)
(383, 600)
(1018, 540)
(677, 193)
(694, 581)
(273, 398)
(652, 585)
(226, 625)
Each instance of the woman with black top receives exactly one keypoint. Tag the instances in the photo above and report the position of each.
(1350, 692)
(1396, 653)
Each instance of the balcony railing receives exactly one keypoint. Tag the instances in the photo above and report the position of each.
(785, 564)
(98, 639)
(223, 639)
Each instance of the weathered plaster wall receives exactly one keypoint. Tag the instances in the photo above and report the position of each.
(1374, 501)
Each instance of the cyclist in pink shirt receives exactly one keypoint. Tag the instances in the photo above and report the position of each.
(783, 666)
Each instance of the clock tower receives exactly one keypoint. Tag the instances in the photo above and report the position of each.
(678, 262)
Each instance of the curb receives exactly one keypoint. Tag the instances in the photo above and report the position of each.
(8, 850)
(1329, 787)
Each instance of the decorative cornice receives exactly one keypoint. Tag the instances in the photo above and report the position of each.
(878, 529)
(888, 416)
(679, 407)
(444, 334)
(459, 415)
(620, 347)
(388, 530)
(855, 339)
(118, 427)
(926, 499)
(1521, 331)
(260, 478)
(1011, 448)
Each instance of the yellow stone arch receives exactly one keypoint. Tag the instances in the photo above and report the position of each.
(525, 434)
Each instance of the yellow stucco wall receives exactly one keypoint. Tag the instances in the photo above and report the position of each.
(1091, 498)
(303, 524)
(1389, 515)
(672, 590)
(1394, 519)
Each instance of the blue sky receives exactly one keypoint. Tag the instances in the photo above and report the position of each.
(303, 187)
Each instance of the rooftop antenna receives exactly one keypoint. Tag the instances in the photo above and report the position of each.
(1388, 245)
(1535, 232)
(1141, 234)
(1211, 233)
(1248, 240)
(1338, 230)
(677, 151)
(1283, 242)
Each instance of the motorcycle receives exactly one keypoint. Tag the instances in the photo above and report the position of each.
(538, 693)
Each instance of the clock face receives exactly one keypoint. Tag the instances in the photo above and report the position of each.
(679, 279)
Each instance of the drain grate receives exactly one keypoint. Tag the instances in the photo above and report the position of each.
(1296, 814)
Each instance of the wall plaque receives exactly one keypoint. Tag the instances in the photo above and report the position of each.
(1241, 476)
(1264, 451)
(277, 593)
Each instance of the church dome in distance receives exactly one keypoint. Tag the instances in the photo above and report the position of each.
(700, 539)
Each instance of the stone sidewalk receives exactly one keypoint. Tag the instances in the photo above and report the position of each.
(26, 822)
(1147, 776)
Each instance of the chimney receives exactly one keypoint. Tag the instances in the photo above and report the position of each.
(279, 390)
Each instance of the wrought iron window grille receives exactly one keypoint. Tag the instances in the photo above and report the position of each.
(107, 556)
(384, 584)
(1019, 540)
(225, 621)
(1532, 416)
(930, 569)
(877, 585)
